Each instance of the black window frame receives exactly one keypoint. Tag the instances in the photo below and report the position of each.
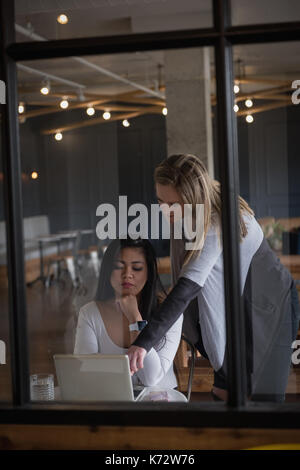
(237, 412)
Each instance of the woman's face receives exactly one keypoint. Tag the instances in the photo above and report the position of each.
(130, 272)
(167, 194)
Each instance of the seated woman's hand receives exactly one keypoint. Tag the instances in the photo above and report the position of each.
(129, 306)
(136, 357)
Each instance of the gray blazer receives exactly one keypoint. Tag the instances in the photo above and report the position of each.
(268, 301)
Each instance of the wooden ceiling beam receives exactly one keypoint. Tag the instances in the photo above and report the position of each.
(267, 81)
(100, 120)
(261, 96)
(58, 109)
(266, 107)
(117, 108)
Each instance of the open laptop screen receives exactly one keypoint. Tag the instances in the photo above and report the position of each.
(94, 377)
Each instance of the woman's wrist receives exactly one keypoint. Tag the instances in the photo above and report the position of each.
(134, 317)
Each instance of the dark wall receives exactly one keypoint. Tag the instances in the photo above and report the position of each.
(75, 175)
(269, 162)
(88, 167)
(140, 148)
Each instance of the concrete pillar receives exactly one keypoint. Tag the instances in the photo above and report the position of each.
(189, 124)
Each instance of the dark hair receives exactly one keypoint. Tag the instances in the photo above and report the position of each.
(148, 302)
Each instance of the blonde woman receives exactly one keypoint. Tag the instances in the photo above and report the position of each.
(270, 297)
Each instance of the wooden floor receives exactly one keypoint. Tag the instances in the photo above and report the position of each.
(52, 315)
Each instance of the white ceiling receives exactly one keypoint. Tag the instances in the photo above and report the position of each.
(98, 18)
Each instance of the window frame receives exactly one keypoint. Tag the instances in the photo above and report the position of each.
(237, 412)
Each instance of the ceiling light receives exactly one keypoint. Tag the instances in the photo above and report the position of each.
(34, 175)
(249, 118)
(235, 108)
(249, 103)
(106, 115)
(64, 104)
(45, 88)
(90, 111)
(58, 136)
(62, 19)
(165, 111)
(236, 88)
(21, 108)
(126, 123)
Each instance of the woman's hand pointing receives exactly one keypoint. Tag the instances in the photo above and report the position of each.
(136, 357)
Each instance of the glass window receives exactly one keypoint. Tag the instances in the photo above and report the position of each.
(81, 149)
(263, 11)
(5, 363)
(40, 21)
(268, 118)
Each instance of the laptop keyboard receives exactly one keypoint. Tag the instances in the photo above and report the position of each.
(137, 391)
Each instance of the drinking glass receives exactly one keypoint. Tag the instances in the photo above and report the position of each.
(42, 387)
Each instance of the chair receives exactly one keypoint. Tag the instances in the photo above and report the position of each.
(181, 362)
(69, 258)
(96, 253)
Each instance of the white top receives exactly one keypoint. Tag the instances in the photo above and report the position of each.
(92, 338)
(207, 271)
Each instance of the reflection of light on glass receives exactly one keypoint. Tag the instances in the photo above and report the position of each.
(106, 115)
(21, 108)
(165, 111)
(236, 88)
(58, 136)
(90, 111)
(235, 108)
(249, 118)
(64, 104)
(126, 123)
(62, 19)
(34, 175)
(249, 103)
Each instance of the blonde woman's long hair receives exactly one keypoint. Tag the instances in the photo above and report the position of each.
(188, 175)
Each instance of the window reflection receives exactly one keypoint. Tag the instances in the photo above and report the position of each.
(85, 160)
(74, 162)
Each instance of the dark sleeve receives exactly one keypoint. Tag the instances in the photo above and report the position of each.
(169, 311)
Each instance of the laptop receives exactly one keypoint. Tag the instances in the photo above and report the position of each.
(95, 377)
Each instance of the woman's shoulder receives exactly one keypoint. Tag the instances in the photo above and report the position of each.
(90, 309)
(251, 223)
(90, 314)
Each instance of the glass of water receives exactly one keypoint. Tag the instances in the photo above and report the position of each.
(41, 387)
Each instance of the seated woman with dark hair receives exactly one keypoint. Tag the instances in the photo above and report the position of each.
(129, 291)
